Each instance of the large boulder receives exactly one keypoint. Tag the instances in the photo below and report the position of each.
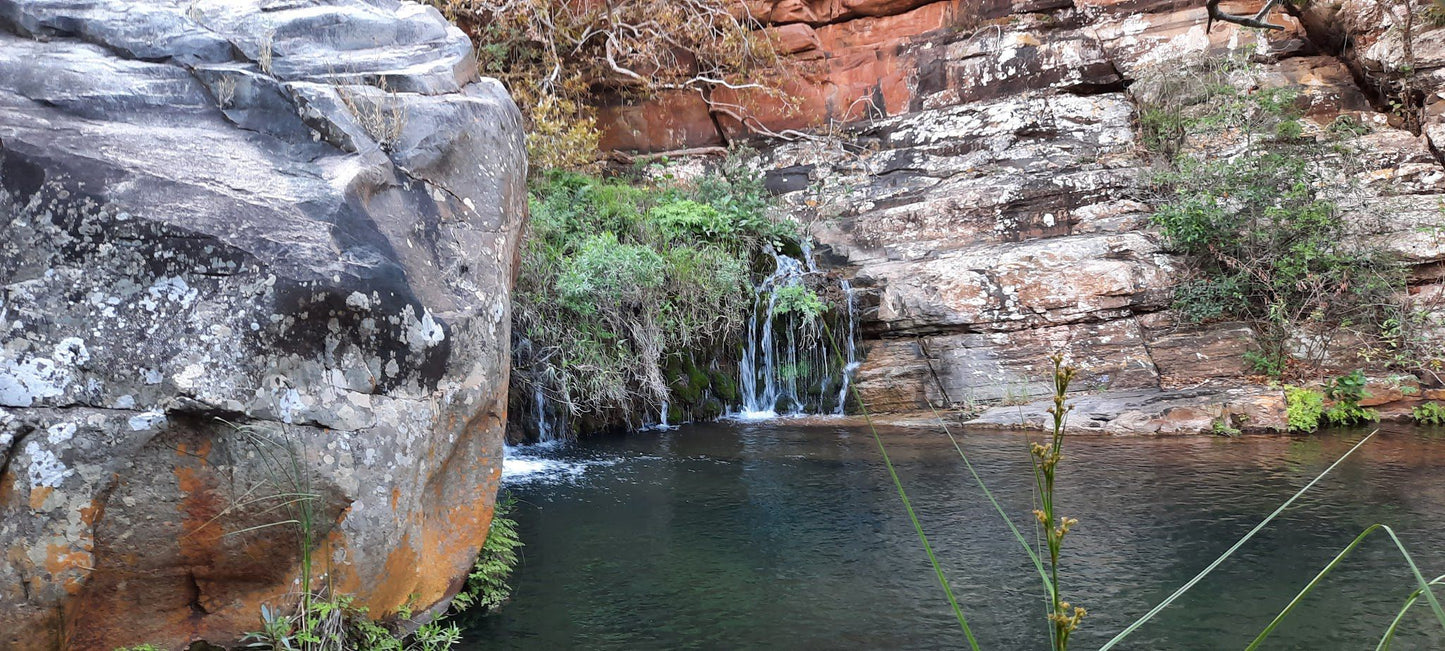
(255, 264)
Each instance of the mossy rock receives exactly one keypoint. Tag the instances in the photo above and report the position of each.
(725, 387)
(697, 378)
(689, 383)
(711, 409)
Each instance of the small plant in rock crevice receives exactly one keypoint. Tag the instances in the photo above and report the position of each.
(1221, 427)
(799, 300)
(1345, 392)
(486, 586)
(383, 117)
(1430, 413)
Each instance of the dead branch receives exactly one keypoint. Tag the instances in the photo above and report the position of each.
(1256, 21)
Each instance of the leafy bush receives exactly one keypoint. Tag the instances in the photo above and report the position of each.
(1304, 408)
(604, 271)
(1430, 413)
(617, 276)
(1266, 364)
(688, 218)
(799, 300)
(1264, 243)
(1346, 392)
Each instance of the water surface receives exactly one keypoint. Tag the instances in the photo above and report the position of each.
(778, 535)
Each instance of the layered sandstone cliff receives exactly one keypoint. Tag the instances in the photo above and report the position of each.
(986, 185)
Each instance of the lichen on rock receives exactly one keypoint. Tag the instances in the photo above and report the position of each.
(212, 259)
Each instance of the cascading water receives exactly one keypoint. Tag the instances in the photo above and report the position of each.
(851, 361)
(539, 405)
(786, 355)
(759, 362)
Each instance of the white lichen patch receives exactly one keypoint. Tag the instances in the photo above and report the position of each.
(45, 469)
(150, 420)
(424, 333)
(60, 433)
(169, 288)
(23, 383)
(71, 351)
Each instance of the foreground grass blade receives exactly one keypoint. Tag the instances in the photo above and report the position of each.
(907, 505)
(1230, 552)
(1038, 564)
(1400, 616)
(1424, 585)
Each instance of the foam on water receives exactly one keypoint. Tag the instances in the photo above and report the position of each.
(543, 462)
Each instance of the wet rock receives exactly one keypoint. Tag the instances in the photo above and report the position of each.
(1202, 410)
(248, 254)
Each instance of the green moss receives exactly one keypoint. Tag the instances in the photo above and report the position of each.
(697, 380)
(710, 409)
(676, 414)
(725, 387)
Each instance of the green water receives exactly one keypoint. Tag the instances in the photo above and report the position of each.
(780, 535)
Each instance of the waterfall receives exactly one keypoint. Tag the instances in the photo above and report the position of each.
(759, 364)
(851, 362)
(539, 403)
(787, 367)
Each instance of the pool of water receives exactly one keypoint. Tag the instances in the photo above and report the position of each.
(779, 535)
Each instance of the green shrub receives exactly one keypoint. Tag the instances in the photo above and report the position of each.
(687, 218)
(1264, 242)
(1304, 408)
(1430, 413)
(800, 301)
(1266, 364)
(1265, 248)
(618, 276)
(1209, 299)
(1346, 392)
(605, 271)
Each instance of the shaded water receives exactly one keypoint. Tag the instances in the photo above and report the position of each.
(783, 536)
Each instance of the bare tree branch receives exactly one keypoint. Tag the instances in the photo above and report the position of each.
(1256, 21)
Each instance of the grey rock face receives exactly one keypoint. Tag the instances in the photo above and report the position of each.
(249, 252)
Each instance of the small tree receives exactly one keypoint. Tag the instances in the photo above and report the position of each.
(556, 56)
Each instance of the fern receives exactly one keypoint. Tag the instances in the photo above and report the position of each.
(487, 584)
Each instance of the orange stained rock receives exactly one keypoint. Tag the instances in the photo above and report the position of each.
(38, 495)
